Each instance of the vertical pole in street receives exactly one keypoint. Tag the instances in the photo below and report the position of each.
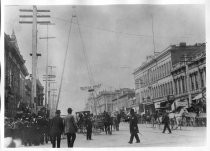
(46, 82)
(34, 47)
(34, 57)
(50, 103)
(46, 72)
(188, 82)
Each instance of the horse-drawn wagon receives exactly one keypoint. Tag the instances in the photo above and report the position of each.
(98, 125)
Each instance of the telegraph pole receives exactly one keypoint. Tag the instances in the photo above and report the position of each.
(50, 78)
(34, 56)
(34, 23)
(47, 63)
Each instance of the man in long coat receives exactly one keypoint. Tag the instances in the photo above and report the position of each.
(70, 128)
(166, 121)
(88, 125)
(133, 127)
(56, 129)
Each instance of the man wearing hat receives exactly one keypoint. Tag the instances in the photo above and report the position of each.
(56, 129)
(133, 127)
(166, 121)
(70, 128)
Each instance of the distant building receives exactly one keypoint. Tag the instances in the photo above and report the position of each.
(103, 101)
(121, 101)
(154, 83)
(110, 101)
(15, 73)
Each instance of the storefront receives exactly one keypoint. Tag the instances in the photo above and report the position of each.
(179, 103)
(149, 108)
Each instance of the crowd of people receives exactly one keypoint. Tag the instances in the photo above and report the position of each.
(38, 129)
(30, 128)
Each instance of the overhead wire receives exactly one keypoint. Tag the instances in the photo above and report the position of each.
(118, 32)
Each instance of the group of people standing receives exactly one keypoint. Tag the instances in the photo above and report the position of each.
(31, 129)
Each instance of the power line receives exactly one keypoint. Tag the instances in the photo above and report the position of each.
(117, 32)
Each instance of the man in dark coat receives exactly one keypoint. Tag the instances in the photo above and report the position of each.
(56, 129)
(134, 127)
(88, 125)
(118, 122)
(166, 123)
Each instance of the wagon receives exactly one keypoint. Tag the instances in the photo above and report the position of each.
(98, 126)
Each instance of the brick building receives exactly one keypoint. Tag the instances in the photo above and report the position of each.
(154, 82)
(193, 69)
(15, 73)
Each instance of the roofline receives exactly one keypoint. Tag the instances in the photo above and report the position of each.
(153, 60)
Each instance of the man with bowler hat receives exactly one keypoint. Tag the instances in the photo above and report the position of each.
(56, 129)
(133, 127)
(70, 128)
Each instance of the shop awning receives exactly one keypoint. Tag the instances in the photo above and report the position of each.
(199, 96)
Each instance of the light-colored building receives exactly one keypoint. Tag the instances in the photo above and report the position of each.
(122, 100)
(104, 101)
(153, 79)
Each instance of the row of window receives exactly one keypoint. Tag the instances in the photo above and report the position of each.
(180, 85)
(197, 80)
(154, 74)
(158, 91)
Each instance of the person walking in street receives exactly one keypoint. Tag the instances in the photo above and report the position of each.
(166, 123)
(56, 129)
(70, 128)
(88, 125)
(118, 121)
(133, 127)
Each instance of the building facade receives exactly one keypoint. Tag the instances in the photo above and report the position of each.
(28, 86)
(103, 101)
(122, 100)
(111, 101)
(154, 82)
(193, 70)
(15, 73)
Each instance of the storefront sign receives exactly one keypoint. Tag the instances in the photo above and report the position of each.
(157, 105)
(181, 103)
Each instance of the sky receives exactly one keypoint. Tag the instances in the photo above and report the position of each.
(116, 39)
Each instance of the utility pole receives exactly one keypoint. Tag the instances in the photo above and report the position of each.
(34, 23)
(50, 78)
(47, 62)
(188, 81)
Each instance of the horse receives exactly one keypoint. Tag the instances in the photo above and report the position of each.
(107, 123)
(178, 118)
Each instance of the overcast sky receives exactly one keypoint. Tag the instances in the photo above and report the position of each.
(114, 36)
